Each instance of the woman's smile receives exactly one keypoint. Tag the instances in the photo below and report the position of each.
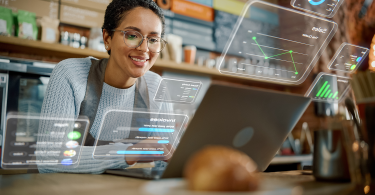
(139, 61)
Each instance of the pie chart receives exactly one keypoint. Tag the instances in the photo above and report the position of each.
(316, 2)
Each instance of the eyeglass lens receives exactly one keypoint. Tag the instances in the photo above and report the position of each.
(133, 39)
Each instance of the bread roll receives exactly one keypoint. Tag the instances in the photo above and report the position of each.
(219, 168)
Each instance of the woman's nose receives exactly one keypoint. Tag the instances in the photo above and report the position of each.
(144, 46)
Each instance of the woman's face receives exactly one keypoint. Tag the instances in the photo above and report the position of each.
(135, 62)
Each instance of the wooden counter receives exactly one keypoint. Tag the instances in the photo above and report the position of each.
(279, 183)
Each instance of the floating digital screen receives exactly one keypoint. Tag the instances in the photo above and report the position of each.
(142, 135)
(282, 46)
(32, 141)
(177, 91)
(328, 88)
(326, 8)
(348, 58)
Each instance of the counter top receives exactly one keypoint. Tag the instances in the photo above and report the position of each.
(290, 182)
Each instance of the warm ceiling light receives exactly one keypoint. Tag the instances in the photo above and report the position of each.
(372, 55)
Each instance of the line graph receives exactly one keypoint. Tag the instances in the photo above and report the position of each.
(285, 39)
(268, 57)
(281, 49)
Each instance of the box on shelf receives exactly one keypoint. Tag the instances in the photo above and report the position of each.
(201, 42)
(168, 13)
(230, 6)
(49, 29)
(98, 5)
(168, 26)
(80, 17)
(193, 31)
(203, 2)
(96, 40)
(194, 10)
(39, 7)
(192, 27)
(74, 36)
(6, 22)
(26, 25)
(164, 4)
(224, 25)
(174, 47)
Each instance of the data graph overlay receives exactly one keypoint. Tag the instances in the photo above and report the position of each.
(33, 141)
(328, 88)
(326, 8)
(348, 58)
(271, 57)
(146, 136)
(177, 91)
(282, 46)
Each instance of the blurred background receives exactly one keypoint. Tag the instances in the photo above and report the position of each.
(40, 33)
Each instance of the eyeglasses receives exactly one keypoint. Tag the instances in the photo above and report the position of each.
(134, 39)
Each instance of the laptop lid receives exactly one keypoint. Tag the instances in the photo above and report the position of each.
(251, 120)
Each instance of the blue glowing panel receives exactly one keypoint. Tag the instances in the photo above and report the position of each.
(326, 8)
(348, 58)
(140, 152)
(156, 130)
(140, 133)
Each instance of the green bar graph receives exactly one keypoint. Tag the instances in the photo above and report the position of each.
(329, 88)
(325, 90)
(334, 95)
(321, 89)
(329, 91)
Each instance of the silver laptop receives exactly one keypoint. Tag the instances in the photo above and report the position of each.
(251, 120)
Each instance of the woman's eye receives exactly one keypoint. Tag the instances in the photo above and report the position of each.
(153, 40)
(132, 37)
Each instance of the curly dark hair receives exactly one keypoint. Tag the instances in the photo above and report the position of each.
(118, 9)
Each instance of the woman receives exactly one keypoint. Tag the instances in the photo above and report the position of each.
(132, 32)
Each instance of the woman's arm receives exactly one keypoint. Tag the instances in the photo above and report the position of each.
(64, 94)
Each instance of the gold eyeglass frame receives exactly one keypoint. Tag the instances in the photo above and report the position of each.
(143, 38)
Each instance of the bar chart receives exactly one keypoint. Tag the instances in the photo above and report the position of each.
(328, 88)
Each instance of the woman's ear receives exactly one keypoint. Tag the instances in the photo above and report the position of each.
(107, 40)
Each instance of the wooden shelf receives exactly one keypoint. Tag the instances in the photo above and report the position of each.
(15, 44)
(18, 45)
(184, 67)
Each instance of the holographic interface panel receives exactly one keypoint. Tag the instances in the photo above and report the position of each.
(328, 88)
(142, 135)
(348, 58)
(177, 91)
(325, 8)
(32, 141)
(282, 46)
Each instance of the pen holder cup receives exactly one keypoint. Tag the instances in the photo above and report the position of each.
(367, 115)
(330, 160)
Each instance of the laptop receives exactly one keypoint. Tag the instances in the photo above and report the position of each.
(254, 121)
